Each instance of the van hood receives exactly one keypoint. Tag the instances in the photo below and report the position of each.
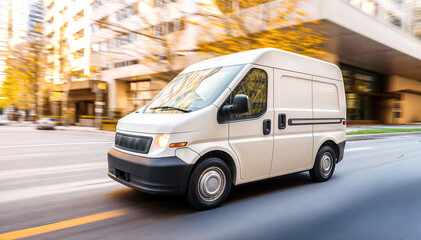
(165, 123)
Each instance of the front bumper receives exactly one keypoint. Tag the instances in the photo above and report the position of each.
(167, 175)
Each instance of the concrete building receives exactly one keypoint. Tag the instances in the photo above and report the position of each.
(381, 63)
(68, 28)
(35, 19)
(414, 7)
(132, 42)
(17, 17)
(371, 40)
(4, 36)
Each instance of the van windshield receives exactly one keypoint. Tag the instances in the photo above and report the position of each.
(193, 90)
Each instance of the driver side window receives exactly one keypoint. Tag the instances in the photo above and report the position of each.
(254, 85)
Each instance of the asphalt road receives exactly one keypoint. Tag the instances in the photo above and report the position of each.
(53, 185)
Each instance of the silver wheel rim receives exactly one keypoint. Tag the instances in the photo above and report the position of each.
(326, 164)
(211, 184)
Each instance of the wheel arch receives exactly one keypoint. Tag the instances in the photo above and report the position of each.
(333, 145)
(224, 156)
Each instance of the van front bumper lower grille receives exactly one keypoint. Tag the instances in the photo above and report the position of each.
(166, 175)
(139, 144)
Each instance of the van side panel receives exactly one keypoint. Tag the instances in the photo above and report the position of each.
(252, 147)
(293, 145)
(328, 103)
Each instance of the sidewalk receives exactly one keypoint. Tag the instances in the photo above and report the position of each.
(368, 127)
(380, 135)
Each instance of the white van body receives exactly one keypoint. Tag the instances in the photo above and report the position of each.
(302, 117)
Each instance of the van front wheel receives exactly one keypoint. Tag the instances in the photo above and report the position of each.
(209, 184)
(324, 165)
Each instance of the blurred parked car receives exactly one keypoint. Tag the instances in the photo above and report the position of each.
(46, 123)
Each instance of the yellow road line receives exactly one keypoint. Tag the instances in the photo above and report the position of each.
(61, 225)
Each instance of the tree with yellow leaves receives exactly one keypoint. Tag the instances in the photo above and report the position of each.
(24, 75)
(240, 25)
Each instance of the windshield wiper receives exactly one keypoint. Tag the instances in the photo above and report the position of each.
(171, 108)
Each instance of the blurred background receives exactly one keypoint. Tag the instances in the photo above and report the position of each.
(84, 64)
(91, 62)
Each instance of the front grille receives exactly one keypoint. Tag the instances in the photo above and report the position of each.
(138, 144)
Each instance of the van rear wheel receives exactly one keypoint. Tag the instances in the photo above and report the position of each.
(209, 184)
(324, 165)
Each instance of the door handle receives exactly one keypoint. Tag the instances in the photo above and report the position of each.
(266, 126)
(282, 121)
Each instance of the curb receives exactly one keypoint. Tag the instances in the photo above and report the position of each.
(380, 136)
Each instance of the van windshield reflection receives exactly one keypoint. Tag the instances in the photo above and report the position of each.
(193, 90)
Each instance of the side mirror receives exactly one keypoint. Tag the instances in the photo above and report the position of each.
(241, 104)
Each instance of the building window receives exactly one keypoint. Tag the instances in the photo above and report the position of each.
(79, 34)
(79, 53)
(31, 16)
(97, 4)
(254, 85)
(140, 86)
(50, 5)
(161, 3)
(63, 11)
(36, 12)
(51, 20)
(103, 46)
(168, 27)
(125, 63)
(394, 19)
(103, 22)
(161, 57)
(126, 12)
(125, 38)
(362, 92)
(76, 75)
(157, 30)
(79, 15)
(95, 27)
(106, 66)
(360, 81)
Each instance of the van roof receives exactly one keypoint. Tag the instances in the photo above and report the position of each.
(275, 58)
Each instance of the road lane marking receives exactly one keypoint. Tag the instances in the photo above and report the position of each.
(28, 172)
(62, 225)
(55, 189)
(53, 144)
(357, 149)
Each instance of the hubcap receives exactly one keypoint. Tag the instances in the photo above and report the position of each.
(326, 164)
(211, 184)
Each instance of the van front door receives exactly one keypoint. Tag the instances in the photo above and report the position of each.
(293, 131)
(251, 133)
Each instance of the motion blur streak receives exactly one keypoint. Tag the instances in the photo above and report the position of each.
(8, 174)
(53, 144)
(61, 225)
(60, 188)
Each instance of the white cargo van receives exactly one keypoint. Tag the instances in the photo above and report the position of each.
(230, 120)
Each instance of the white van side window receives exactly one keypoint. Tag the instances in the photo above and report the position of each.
(254, 85)
(325, 96)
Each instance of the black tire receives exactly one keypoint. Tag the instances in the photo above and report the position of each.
(321, 170)
(208, 172)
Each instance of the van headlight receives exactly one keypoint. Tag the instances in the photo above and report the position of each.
(163, 140)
